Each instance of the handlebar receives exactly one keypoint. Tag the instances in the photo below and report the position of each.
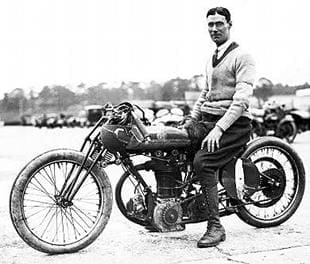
(129, 108)
(140, 125)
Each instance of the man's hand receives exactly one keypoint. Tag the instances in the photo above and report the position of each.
(212, 140)
(186, 122)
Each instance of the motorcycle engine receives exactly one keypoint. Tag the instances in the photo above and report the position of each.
(197, 209)
(168, 215)
(136, 206)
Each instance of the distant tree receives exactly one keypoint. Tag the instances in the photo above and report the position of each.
(154, 91)
(5, 103)
(96, 95)
(116, 95)
(138, 93)
(263, 90)
(63, 97)
(15, 101)
(32, 101)
(174, 89)
(45, 98)
(57, 98)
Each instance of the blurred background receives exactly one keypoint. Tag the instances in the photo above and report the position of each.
(62, 60)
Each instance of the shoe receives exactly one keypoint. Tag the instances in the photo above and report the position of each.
(215, 231)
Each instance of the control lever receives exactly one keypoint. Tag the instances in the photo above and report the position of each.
(140, 126)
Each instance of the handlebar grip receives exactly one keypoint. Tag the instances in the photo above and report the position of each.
(140, 126)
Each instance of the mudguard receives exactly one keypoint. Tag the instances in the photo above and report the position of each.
(240, 178)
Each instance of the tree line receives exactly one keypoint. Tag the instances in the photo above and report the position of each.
(59, 98)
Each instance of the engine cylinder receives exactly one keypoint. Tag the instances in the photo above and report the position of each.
(168, 179)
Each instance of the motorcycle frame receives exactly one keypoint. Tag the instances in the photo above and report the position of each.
(91, 144)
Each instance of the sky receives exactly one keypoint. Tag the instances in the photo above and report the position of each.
(67, 42)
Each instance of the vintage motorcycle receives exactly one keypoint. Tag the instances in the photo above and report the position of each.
(274, 120)
(61, 201)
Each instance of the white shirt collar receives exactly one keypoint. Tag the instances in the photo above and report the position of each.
(222, 48)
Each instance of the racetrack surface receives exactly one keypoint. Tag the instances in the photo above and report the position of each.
(125, 242)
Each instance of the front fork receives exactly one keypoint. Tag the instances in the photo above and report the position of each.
(74, 181)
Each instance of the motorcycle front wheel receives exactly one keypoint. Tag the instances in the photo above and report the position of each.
(282, 183)
(287, 130)
(48, 225)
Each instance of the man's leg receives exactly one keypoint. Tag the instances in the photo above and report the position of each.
(215, 231)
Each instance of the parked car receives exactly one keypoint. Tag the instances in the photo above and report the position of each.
(93, 114)
(51, 120)
(27, 120)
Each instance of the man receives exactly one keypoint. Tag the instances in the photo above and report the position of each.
(220, 120)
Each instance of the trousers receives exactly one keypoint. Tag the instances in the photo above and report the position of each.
(232, 142)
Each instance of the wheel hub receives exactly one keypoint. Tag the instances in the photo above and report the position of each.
(274, 185)
(62, 202)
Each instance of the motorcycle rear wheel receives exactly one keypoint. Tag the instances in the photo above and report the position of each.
(276, 203)
(126, 188)
(51, 227)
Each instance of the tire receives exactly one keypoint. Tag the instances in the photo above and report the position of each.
(48, 226)
(287, 130)
(121, 200)
(280, 162)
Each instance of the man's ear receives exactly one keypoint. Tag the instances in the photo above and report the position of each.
(230, 24)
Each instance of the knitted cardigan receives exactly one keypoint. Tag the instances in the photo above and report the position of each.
(228, 88)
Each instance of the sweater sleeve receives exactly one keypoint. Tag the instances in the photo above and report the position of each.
(196, 112)
(245, 76)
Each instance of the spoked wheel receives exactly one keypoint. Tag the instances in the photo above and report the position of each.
(287, 131)
(131, 197)
(45, 220)
(282, 183)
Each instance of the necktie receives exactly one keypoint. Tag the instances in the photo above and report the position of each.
(214, 57)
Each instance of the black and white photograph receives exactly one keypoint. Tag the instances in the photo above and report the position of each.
(154, 131)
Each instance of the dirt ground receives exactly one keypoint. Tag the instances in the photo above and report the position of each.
(125, 242)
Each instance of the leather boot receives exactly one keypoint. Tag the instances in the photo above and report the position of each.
(215, 231)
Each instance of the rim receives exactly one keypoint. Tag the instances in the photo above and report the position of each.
(52, 222)
(278, 164)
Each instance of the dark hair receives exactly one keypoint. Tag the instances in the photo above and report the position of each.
(221, 11)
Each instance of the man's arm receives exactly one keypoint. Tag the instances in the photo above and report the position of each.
(245, 76)
(196, 112)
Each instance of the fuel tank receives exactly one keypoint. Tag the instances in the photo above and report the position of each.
(118, 138)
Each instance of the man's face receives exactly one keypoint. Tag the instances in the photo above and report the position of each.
(219, 28)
